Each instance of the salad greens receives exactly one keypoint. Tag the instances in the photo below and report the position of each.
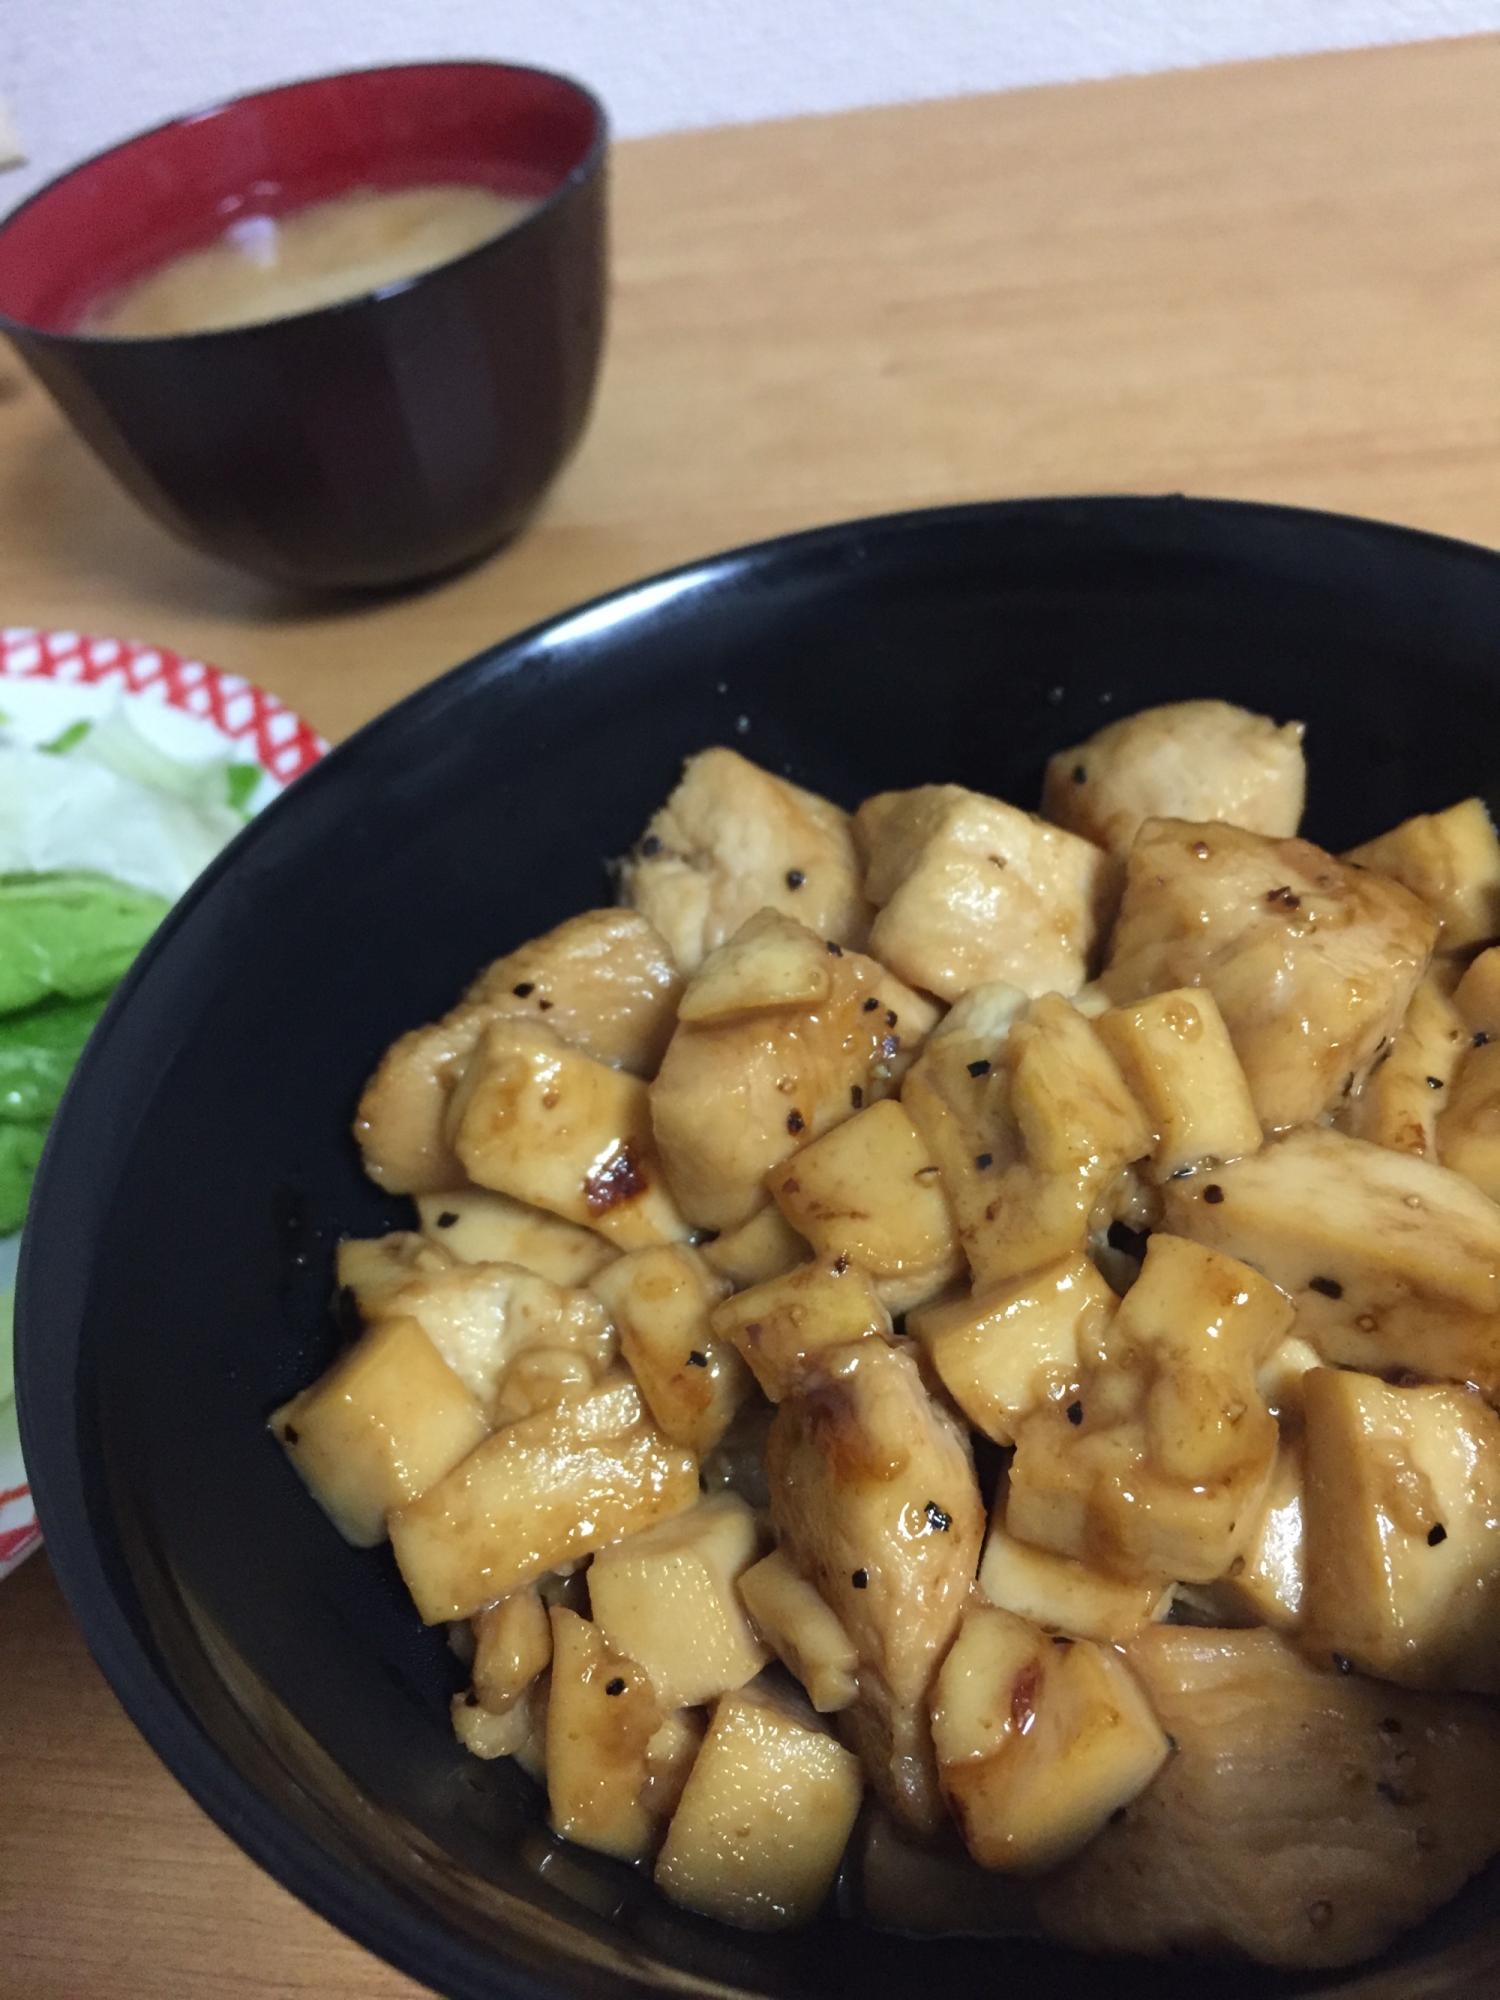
(69, 934)
(100, 830)
(66, 941)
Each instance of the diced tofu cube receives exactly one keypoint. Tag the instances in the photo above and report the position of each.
(1468, 1125)
(669, 1598)
(765, 1247)
(735, 1097)
(1199, 760)
(802, 1632)
(1175, 1054)
(374, 1268)
(1403, 1530)
(870, 1190)
(512, 1645)
(771, 961)
(1003, 1353)
(1392, 1262)
(385, 1423)
(1061, 1595)
(540, 1492)
(1452, 861)
(1400, 1103)
(1070, 1125)
(601, 1716)
(782, 1328)
(764, 1818)
(482, 1317)
(732, 840)
(1312, 962)
(972, 890)
(603, 981)
(1265, 1585)
(874, 1500)
(1038, 1740)
(1305, 1818)
(536, 1120)
(661, 1301)
(1161, 1465)
(478, 1226)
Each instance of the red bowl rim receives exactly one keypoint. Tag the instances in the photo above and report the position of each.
(581, 171)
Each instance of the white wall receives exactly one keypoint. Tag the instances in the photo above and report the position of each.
(78, 74)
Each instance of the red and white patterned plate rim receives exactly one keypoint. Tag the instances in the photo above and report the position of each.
(278, 740)
(260, 726)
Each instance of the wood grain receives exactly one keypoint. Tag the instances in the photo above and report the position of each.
(1277, 281)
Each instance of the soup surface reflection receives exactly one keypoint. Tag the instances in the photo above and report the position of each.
(266, 267)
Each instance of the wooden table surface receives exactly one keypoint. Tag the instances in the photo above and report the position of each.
(1276, 281)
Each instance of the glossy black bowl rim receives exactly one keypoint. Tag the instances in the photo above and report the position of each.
(401, 1933)
(576, 176)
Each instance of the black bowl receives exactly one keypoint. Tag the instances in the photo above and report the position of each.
(370, 443)
(177, 1264)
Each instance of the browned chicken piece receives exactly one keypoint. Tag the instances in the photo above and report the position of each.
(738, 1094)
(870, 1191)
(538, 1494)
(1305, 1820)
(957, 1092)
(1403, 1530)
(732, 840)
(874, 1499)
(1452, 861)
(546, 1124)
(1064, 1124)
(483, 1318)
(1312, 962)
(1468, 1126)
(1161, 1465)
(399, 1126)
(1400, 1101)
(1392, 1262)
(1198, 760)
(603, 982)
(971, 890)
(371, 1268)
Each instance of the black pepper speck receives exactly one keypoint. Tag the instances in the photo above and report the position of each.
(860, 1579)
